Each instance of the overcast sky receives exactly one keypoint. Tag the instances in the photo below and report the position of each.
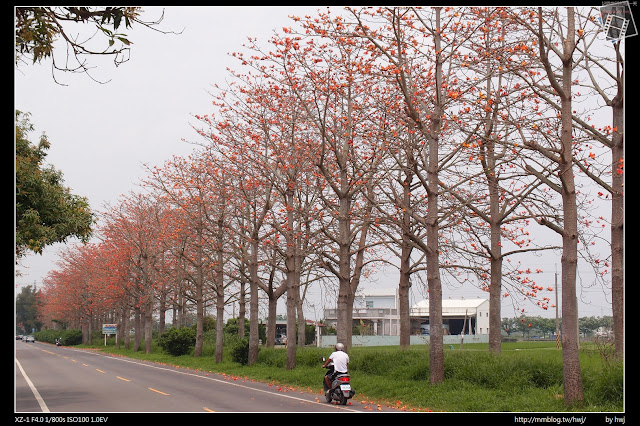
(102, 134)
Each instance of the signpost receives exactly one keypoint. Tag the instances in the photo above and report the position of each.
(109, 329)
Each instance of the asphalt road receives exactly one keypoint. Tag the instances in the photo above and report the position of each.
(62, 379)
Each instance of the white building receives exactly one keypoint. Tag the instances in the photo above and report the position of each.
(376, 312)
(472, 314)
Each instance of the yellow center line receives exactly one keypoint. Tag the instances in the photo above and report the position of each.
(206, 409)
(122, 378)
(97, 369)
(155, 390)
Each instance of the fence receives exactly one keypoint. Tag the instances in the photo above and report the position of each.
(357, 340)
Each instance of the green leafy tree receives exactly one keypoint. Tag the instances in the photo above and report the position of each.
(589, 325)
(509, 325)
(27, 310)
(546, 325)
(37, 28)
(46, 211)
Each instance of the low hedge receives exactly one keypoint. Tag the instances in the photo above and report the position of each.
(69, 337)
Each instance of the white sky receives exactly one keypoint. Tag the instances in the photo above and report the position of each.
(102, 134)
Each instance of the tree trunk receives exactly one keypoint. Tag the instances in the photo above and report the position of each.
(148, 323)
(570, 350)
(495, 287)
(138, 330)
(292, 285)
(253, 302)
(406, 248)
(291, 316)
(436, 354)
(345, 298)
(120, 329)
(199, 296)
(495, 292)
(403, 304)
(162, 309)
(126, 326)
(345, 315)
(219, 289)
(617, 216)
(242, 310)
(299, 299)
(271, 320)
(219, 323)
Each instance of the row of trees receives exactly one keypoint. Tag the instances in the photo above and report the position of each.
(437, 140)
(527, 325)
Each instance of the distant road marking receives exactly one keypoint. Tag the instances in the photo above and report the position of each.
(206, 409)
(156, 390)
(122, 378)
(97, 369)
(43, 406)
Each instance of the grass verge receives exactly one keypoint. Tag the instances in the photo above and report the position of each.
(526, 377)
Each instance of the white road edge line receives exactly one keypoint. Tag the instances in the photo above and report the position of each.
(216, 380)
(43, 406)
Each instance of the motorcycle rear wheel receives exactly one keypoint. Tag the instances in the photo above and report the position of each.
(343, 399)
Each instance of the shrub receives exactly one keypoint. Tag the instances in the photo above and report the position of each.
(240, 351)
(69, 337)
(47, 335)
(178, 341)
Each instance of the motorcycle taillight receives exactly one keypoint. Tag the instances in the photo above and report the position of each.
(343, 379)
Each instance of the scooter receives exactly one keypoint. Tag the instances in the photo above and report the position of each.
(340, 387)
(58, 342)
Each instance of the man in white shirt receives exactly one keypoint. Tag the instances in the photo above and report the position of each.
(340, 361)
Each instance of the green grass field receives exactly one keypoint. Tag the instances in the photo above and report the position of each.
(526, 377)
